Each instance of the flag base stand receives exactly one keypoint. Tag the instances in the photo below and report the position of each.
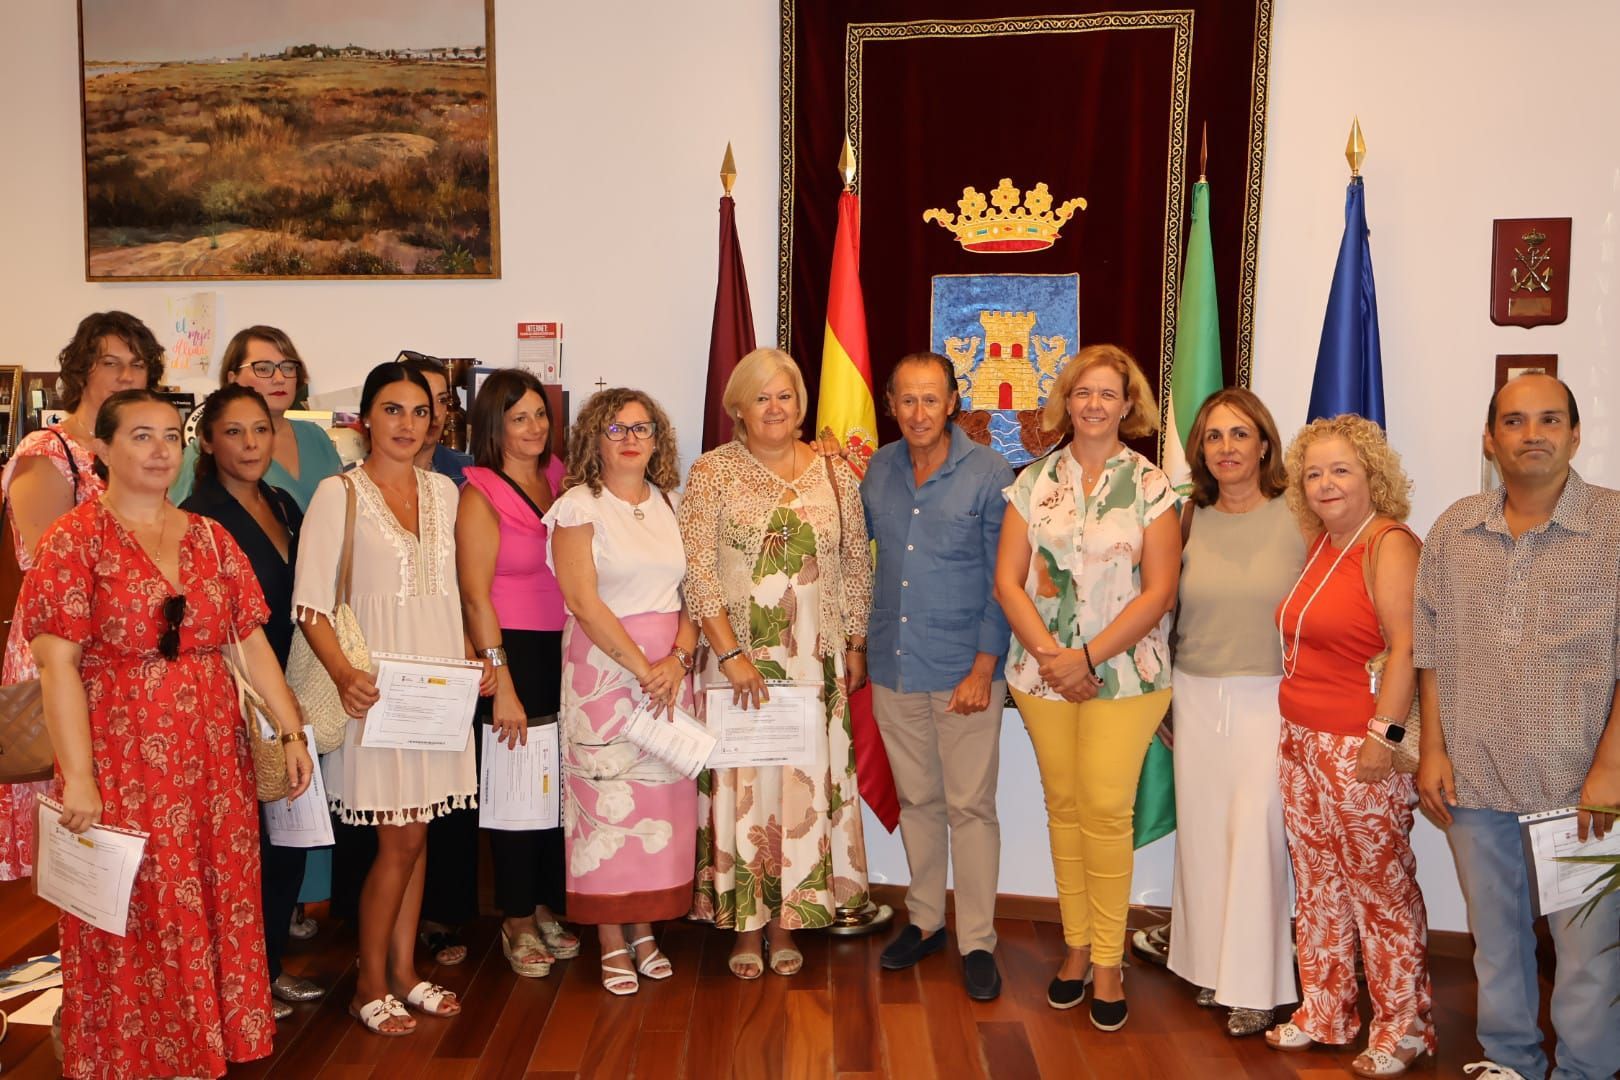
(856, 922)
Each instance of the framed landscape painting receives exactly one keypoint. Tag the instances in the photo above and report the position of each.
(228, 139)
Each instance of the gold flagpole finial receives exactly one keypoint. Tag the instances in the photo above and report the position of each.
(1356, 149)
(1203, 156)
(846, 164)
(728, 171)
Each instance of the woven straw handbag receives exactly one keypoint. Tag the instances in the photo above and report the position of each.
(317, 694)
(25, 743)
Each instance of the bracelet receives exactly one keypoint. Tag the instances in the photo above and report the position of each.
(683, 656)
(294, 736)
(852, 647)
(1089, 665)
(495, 655)
(732, 655)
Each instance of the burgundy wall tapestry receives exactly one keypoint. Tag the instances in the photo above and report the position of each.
(1100, 102)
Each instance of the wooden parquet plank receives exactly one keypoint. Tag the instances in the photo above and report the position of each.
(660, 1055)
(510, 1040)
(761, 1029)
(857, 1042)
(484, 998)
(714, 1028)
(668, 1004)
(905, 1042)
(612, 1043)
(809, 1051)
(561, 1045)
(1007, 1050)
(1026, 968)
(952, 1031)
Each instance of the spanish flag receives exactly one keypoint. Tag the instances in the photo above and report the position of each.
(846, 405)
(846, 409)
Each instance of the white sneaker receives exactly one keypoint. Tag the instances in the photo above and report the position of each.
(1490, 1070)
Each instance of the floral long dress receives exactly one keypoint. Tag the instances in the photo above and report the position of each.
(186, 990)
(784, 842)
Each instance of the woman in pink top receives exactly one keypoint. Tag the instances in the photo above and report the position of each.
(514, 613)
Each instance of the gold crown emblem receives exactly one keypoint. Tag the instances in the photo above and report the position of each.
(1030, 227)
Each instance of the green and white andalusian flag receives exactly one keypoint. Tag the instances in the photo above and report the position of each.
(1195, 370)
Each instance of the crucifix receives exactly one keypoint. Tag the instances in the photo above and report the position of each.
(601, 384)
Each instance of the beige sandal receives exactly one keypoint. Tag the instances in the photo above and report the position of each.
(520, 953)
(738, 961)
(562, 944)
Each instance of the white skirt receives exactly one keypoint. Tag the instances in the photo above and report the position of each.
(1231, 906)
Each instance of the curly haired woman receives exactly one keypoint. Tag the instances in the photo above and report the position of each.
(629, 820)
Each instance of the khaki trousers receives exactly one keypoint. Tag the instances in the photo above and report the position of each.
(945, 768)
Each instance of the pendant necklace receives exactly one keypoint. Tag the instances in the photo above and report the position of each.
(1291, 659)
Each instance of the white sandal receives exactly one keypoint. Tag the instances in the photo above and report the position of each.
(1386, 1064)
(621, 982)
(657, 966)
(428, 997)
(1290, 1037)
(373, 1013)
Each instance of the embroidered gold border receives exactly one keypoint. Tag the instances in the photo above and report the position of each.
(1181, 20)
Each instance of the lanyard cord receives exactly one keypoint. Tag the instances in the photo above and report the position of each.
(1291, 661)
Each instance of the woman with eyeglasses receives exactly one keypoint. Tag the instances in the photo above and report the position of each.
(629, 820)
(128, 612)
(49, 475)
(263, 358)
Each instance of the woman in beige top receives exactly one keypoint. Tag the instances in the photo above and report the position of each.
(1243, 551)
(779, 575)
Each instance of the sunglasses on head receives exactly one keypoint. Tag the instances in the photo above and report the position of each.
(174, 610)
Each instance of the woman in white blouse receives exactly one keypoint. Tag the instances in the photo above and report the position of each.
(629, 821)
(405, 599)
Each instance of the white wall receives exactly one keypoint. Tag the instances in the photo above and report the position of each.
(614, 117)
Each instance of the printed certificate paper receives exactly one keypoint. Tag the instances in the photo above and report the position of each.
(684, 744)
(518, 786)
(1549, 837)
(780, 732)
(306, 823)
(426, 704)
(87, 874)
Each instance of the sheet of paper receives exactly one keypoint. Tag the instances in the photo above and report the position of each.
(36, 967)
(189, 347)
(9, 992)
(780, 732)
(1550, 837)
(87, 874)
(306, 823)
(539, 350)
(683, 744)
(518, 786)
(39, 1011)
(426, 704)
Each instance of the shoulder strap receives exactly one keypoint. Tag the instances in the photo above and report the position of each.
(73, 465)
(346, 559)
(1188, 510)
(838, 494)
(524, 495)
(665, 494)
(1369, 562)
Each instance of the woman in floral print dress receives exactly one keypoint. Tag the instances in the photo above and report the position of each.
(779, 572)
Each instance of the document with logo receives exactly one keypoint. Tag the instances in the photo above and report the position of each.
(306, 823)
(426, 704)
(88, 874)
(681, 743)
(782, 731)
(518, 786)
(1550, 841)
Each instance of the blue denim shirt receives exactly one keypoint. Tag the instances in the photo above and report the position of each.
(933, 605)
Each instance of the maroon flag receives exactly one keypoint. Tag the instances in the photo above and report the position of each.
(732, 336)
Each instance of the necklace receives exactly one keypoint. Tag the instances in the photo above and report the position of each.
(134, 531)
(1257, 500)
(635, 508)
(1291, 660)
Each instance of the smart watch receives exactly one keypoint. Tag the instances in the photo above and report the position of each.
(1383, 726)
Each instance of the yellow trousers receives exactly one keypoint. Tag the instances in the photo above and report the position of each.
(1090, 757)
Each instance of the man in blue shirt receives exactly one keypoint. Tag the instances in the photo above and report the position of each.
(937, 643)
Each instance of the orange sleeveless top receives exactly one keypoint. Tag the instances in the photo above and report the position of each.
(1325, 686)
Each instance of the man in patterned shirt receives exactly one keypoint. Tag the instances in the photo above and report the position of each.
(1515, 638)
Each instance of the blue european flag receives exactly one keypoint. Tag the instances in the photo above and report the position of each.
(1349, 370)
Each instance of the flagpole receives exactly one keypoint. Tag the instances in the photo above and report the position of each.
(728, 172)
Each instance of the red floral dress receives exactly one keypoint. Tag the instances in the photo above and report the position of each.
(187, 989)
(17, 800)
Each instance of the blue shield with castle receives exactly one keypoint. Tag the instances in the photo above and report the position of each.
(1007, 336)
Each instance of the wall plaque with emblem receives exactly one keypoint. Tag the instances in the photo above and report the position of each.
(1530, 271)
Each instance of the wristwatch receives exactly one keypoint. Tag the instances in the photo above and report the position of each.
(496, 656)
(683, 656)
(1383, 726)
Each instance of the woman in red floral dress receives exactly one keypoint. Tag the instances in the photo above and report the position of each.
(144, 720)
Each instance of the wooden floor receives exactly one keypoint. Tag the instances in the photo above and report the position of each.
(841, 1017)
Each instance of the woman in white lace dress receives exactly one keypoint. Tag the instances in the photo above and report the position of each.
(405, 599)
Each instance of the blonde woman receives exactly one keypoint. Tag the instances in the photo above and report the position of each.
(779, 572)
(1087, 570)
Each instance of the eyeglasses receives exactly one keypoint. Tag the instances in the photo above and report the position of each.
(114, 366)
(643, 431)
(174, 610)
(266, 369)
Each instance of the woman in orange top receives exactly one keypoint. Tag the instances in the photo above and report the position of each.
(1347, 811)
